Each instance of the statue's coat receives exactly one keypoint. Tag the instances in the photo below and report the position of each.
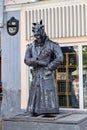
(44, 60)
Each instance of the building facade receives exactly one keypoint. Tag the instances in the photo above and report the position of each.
(66, 23)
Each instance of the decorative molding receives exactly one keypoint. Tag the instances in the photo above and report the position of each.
(61, 21)
(12, 6)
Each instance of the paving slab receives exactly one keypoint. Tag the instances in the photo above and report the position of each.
(73, 119)
(40, 118)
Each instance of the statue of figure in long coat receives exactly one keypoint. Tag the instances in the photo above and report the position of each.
(44, 56)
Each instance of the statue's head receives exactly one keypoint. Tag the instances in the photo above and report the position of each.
(38, 30)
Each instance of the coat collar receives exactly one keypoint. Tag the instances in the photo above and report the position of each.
(44, 46)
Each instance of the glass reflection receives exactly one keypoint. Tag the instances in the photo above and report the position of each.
(75, 92)
(67, 78)
(84, 52)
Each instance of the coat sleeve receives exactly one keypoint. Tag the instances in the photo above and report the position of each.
(28, 59)
(58, 56)
(32, 61)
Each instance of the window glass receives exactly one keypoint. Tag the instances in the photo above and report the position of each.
(84, 52)
(67, 78)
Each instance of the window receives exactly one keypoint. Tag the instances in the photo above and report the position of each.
(67, 78)
(84, 53)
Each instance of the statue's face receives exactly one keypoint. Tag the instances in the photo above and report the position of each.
(38, 30)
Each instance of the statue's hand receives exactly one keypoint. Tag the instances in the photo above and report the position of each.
(48, 72)
(34, 61)
(40, 62)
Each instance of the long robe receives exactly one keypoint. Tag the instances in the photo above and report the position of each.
(44, 60)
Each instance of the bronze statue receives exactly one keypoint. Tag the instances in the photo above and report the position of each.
(44, 56)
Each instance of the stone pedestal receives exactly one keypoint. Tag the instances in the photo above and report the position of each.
(57, 122)
(10, 103)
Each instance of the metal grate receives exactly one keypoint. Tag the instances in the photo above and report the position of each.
(61, 21)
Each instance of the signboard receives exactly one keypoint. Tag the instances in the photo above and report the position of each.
(61, 76)
(1, 13)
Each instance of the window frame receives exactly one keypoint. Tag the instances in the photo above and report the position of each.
(80, 68)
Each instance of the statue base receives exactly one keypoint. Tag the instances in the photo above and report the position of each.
(62, 121)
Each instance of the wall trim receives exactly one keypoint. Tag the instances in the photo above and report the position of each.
(41, 4)
(62, 41)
